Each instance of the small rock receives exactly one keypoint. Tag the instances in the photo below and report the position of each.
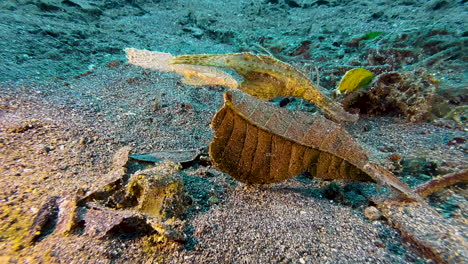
(101, 221)
(456, 141)
(68, 215)
(159, 191)
(379, 244)
(44, 222)
(169, 229)
(377, 15)
(395, 157)
(121, 157)
(82, 141)
(372, 213)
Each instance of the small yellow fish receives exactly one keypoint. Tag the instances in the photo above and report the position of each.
(267, 78)
(354, 79)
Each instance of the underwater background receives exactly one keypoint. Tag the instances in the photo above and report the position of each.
(76, 117)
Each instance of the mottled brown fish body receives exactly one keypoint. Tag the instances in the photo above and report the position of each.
(293, 82)
(267, 78)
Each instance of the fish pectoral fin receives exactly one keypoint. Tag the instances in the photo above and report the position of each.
(262, 85)
(204, 75)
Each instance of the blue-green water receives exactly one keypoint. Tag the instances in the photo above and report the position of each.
(69, 101)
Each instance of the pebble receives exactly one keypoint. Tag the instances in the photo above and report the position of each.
(82, 141)
(395, 157)
(456, 141)
(379, 244)
(372, 213)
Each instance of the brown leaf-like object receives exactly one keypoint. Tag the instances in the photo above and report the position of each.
(255, 142)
